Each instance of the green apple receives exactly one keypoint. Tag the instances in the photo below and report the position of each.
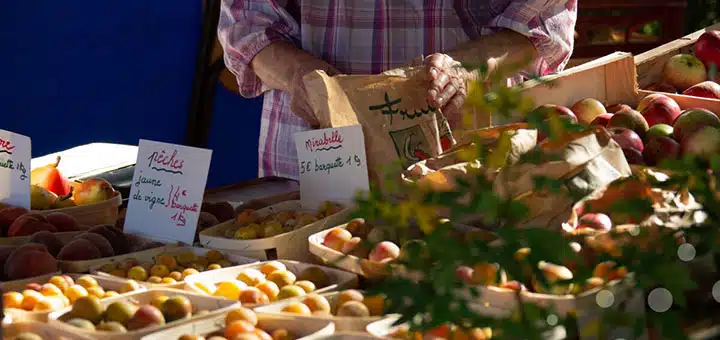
(659, 130)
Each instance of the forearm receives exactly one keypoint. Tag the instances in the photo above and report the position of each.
(503, 47)
(280, 65)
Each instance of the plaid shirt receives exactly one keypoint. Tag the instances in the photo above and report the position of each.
(369, 37)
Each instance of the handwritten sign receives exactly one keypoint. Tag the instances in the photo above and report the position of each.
(15, 169)
(332, 163)
(167, 191)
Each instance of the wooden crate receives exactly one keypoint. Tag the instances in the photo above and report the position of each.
(649, 69)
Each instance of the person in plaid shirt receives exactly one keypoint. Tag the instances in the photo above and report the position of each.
(271, 44)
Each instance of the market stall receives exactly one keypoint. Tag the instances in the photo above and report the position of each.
(588, 214)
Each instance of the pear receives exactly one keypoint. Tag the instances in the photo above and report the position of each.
(64, 201)
(50, 178)
(92, 190)
(41, 198)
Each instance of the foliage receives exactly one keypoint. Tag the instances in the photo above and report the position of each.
(439, 296)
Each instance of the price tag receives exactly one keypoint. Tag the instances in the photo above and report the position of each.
(15, 169)
(332, 163)
(167, 191)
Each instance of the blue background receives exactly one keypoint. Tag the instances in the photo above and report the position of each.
(78, 71)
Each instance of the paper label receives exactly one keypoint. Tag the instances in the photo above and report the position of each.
(15, 158)
(167, 191)
(333, 164)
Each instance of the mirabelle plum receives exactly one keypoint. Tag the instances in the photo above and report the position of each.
(269, 267)
(241, 314)
(297, 308)
(270, 289)
(87, 281)
(282, 278)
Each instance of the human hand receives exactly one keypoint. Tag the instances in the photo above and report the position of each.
(448, 84)
(300, 104)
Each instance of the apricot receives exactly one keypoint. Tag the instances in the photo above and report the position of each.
(290, 291)
(246, 217)
(87, 281)
(178, 276)
(238, 327)
(251, 276)
(96, 291)
(81, 323)
(225, 263)
(554, 273)
(315, 275)
(176, 308)
(241, 314)
(282, 278)
(159, 270)
(384, 251)
(154, 279)
(202, 260)
(282, 334)
(214, 256)
(252, 295)
(100, 242)
(75, 292)
(111, 326)
(137, 273)
(513, 285)
(270, 289)
(189, 271)
(317, 304)
(464, 273)
(49, 289)
(12, 300)
(229, 289)
(307, 286)
(349, 295)
(110, 294)
(49, 304)
(145, 316)
(59, 282)
(214, 266)
(168, 261)
(375, 304)
(88, 308)
(593, 282)
(118, 272)
(168, 281)
(269, 267)
(353, 309)
(205, 288)
(263, 335)
(51, 242)
(297, 308)
(129, 286)
(120, 311)
(336, 238)
(30, 299)
(158, 301)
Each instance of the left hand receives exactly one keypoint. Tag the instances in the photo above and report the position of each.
(448, 84)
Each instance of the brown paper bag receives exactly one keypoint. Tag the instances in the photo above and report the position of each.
(397, 120)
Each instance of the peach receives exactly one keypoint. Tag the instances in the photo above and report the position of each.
(384, 251)
(358, 227)
(356, 247)
(336, 238)
(253, 296)
(297, 308)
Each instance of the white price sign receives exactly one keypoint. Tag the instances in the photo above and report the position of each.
(167, 191)
(333, 165)
(15, 158)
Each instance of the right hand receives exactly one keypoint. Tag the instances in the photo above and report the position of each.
(300, 104)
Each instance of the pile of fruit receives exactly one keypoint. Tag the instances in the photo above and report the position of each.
(349, 303)
(271, 282)
(248, 225)
(49, 189)
(40, 255)
(657, 130)
(59, 292)
(242, 323)
(446, 332)
(690, 74)
(167, 268)
(121, 316)
(17, 222)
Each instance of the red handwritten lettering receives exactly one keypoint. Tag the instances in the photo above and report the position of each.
(174, 196)
(163, 159)
(6, 144)
(325, 143)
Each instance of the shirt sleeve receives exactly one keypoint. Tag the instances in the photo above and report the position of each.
(244, 29)
(550, 26)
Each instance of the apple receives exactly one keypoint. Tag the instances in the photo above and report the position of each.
(690, 121)
(629, 119)
(660, 148)
(587, 109)
(659, 130)
(602, 120)
(661, 87)
(598, 221)
(626, 138)
(704, 143)
(645, 101)
(548, 110)
(706, 89)
(661, 110)
(633, 156)
(684, 70)
(707, 48)
(617, 107)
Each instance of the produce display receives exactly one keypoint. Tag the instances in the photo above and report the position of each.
(693, 74)
(90, 314)
(362, 240)
(249, 226)
(348, 303)
(59, 292)
(51, 190)
(167, 268)
(272, 281)
(17, 222)
(242, 323)
(445, 331)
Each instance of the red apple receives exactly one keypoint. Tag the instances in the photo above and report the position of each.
(660, 148)
(587, 109)
(684, 70)
(661, 110)
(626, 138)
(602, 120)
(548, 110)
(661, 87)
(633, 156)
(616, 107)
(595, 221)
(706, 89)
(704, 143)
(464, 273)
(707, 48)
(690, 121)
